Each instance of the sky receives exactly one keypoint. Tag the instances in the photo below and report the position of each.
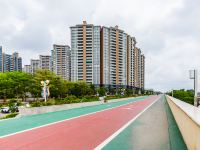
(167, 31)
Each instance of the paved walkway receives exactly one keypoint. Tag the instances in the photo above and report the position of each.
(155, 129)
(86, 132)
(25, 123)
(141, 124)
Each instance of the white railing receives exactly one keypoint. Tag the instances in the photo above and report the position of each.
(188, 119)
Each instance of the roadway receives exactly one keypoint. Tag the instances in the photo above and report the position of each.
(95, 127)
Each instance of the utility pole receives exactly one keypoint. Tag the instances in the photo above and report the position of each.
(194, 76)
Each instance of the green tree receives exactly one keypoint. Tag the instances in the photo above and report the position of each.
(101, 91)
(20, 83)
(184, 95)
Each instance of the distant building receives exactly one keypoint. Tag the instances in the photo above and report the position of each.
(106, 56)
(142, 71)
(35, 65)
(6, 62)
(1, 59)
(11, 62)
(27, 69)
(113, 56)
(85, 53)
(15, 62)
(131, 66)
(61, 60)
(45, 62)
(137, 68)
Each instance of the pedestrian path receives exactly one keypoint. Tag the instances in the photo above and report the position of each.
(12, 126)
(155, 129)
(85, 132)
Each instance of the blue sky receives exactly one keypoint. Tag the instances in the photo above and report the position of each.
(166, 31)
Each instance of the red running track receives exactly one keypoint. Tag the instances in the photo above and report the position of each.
(85, 132)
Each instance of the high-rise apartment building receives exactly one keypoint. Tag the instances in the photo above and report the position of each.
(61, 60)
(27, 69)
(105, 56)
(45, 62)
(113, 56)
(15, 62)
(131, 43)
(6, 62)
(1, 59)
(142, 71)
(85, 53)
(35, 65)
(137, 67)
(11, 62)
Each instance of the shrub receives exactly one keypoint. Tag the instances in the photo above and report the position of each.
(12, 115)
(70, 97)
(60, 102)
(36, 104)
(49, 103)
(89, 98)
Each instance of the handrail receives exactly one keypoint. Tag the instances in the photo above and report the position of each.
(192, 111)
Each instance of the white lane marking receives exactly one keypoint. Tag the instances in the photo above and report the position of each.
(104, 143)
(128, 108)
(69, 119)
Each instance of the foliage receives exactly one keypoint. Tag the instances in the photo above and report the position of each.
(67, 100)
(14, 83)
(101, 91)
(12, 115)
(36, 104)
(20, 85)
(184, 95)
(12, 105)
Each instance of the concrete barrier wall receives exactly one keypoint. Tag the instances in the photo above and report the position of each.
(188, 120)
(46, 109)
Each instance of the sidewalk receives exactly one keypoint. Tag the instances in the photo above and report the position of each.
(156, 129)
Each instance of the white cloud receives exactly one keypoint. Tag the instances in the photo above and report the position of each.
(166, 31)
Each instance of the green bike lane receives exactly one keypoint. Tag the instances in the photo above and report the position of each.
(156, 129)
(12, 126)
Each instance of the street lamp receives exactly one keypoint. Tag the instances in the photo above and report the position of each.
(194, 76)
(45, 89)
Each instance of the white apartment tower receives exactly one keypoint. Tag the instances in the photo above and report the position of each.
(61, 60)
(113, 56)
(131, 43)
(142, 71)
(27, 69)
(35, 65)
(137, 68)
(45, 62)
(85, 53)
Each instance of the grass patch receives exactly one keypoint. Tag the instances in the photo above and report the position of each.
(12, 115)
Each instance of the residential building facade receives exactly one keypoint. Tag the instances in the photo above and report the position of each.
(114, 56)
(27, 69)
(131, 45)
(10, 62)
(35, 65)
(85, 53)
(45, 62)
(15, 62)
(142, 71)
(61, 61)
(6, 59)
(105, 56)
(1, 59)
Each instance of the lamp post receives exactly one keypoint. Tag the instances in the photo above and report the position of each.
(45, 89)
(194, 76)
(172, 93)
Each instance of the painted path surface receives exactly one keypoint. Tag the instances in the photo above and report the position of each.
(20, 124)
(155, 129)
(86, 132)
